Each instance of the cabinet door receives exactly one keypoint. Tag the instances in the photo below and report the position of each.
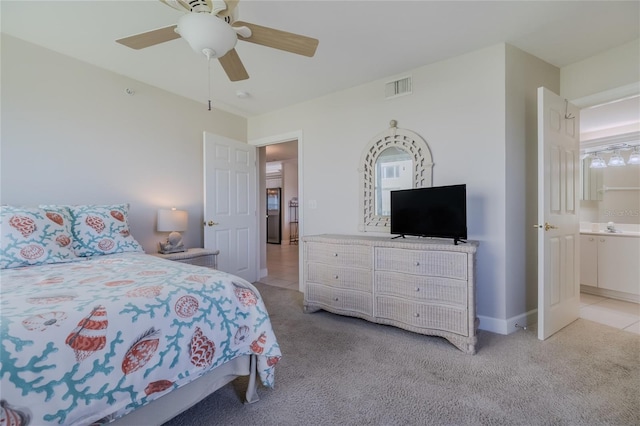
(618, 267)
(589, 260)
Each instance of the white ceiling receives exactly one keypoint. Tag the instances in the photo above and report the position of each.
(360, 41)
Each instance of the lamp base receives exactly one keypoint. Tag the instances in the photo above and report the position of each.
(175, 250)
(171, 247)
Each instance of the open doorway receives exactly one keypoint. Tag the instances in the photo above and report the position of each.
(610, 195)
(279, 174)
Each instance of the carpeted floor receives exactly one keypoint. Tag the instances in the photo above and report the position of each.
(344, 371)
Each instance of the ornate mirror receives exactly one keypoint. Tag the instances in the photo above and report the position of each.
(394, 159)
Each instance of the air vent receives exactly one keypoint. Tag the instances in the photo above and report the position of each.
(397, 88)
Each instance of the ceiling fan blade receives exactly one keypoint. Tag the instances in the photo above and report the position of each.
(233, 66)
(278, 39)
(150, 38)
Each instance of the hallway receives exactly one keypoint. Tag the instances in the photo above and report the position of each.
(282, 266)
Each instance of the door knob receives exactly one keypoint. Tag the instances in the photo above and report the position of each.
(210, 223)
(546, 226)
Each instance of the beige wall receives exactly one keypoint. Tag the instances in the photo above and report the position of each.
(525, 73)
(609, 70)
(457, 106)
(71, 135)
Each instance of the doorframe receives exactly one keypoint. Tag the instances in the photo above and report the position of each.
(606, 96)
(272, 140)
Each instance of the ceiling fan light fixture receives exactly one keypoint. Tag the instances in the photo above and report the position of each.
(207, 34)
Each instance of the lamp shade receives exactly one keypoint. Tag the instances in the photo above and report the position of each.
(172, 220)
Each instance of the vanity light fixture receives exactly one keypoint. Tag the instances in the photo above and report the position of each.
(616, 159)
(597, 162)
(634, 157)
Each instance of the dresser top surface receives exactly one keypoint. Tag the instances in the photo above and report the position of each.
(416, 243)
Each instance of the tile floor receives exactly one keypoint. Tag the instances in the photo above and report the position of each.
(282, 267)
(614, 313)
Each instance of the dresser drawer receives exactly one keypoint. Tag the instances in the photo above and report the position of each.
(421, 289)
(354, 255)
(339, 276)
(432, 263)
(336, 299)
(423, 315)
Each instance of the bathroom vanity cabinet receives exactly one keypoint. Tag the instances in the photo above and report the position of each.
(609, 263)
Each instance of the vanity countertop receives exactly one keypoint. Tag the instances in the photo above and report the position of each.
(615, 234)
(621, 229)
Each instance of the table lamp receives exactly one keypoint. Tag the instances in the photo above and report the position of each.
(173, 221)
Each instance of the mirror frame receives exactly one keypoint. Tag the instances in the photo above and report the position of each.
(405, 140)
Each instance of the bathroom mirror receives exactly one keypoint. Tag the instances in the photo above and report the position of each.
(394, 159)
(591, 182)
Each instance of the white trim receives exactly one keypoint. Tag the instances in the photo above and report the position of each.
(284, 137)
(281, 138)
(613, 294)
(599, 143)
(263, 273)
(608, 96)
(508, 326)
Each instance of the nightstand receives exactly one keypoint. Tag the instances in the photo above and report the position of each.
(194, 256)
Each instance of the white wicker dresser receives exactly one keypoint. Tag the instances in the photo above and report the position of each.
(421, 285)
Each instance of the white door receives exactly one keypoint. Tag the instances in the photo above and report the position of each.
(558, 221)
(230, 215)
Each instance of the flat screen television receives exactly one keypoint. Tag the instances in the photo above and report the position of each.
(437, 211)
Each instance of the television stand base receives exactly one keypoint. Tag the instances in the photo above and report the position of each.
(397, 236)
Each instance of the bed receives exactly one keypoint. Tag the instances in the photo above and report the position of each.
(89, 339)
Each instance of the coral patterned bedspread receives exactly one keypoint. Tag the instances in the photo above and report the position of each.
(88, 341)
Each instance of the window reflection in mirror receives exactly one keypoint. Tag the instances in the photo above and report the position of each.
(393, 171)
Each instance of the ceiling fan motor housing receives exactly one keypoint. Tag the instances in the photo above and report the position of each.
(207, 34)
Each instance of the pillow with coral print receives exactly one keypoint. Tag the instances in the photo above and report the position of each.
(102, 229)
(34, 236)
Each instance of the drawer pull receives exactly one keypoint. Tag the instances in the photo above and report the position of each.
(335, 254)
(417, 315)
(335, 299)
(335, 276)
(417, 263)
(417, 288)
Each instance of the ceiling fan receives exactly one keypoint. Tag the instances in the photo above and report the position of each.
(210, 27)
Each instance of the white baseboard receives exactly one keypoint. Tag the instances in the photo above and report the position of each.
(612, 294)
(508, 326)
(263, 273)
